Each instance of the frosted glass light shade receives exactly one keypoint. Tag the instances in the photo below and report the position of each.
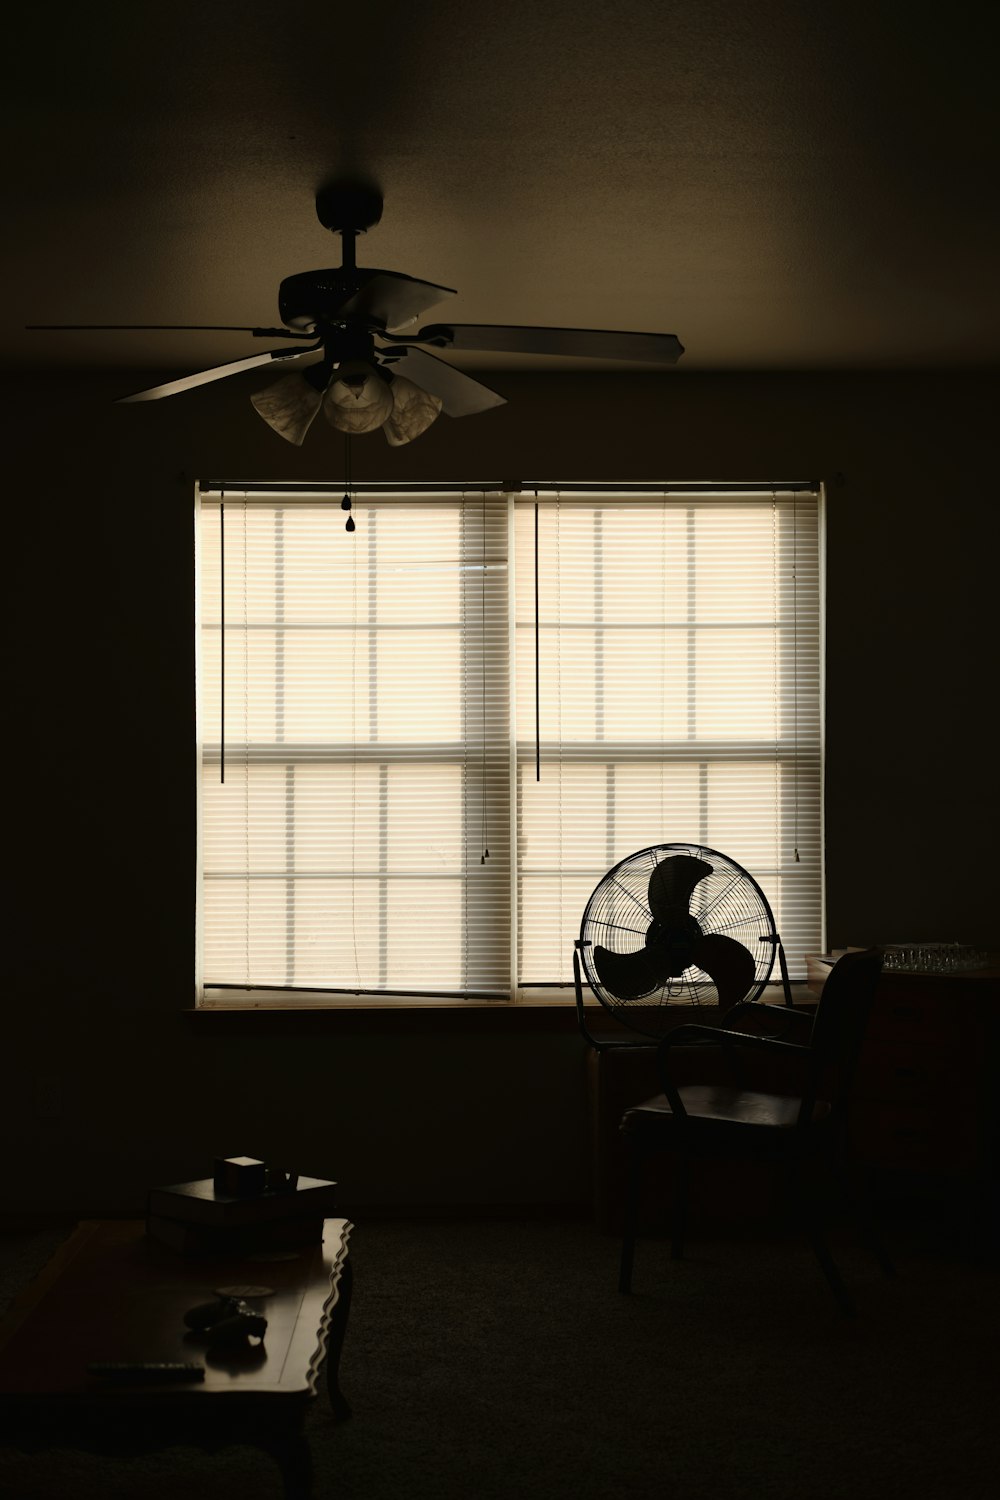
(413, 411)
(289, 406)
(357, 399)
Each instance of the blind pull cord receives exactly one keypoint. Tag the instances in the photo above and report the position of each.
(538, 700)
(795, 659)
(222, 635)
(482, 791)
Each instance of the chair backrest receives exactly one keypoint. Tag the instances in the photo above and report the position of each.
(840, 1023)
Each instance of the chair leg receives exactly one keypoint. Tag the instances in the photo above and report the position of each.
(633, 1184)
(858, 1209)
(679, 1205)
(810, 1222)
(818, 1241)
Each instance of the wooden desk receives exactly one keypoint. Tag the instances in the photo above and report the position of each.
(924, 1120)
(112, 1294)
(923, 1100)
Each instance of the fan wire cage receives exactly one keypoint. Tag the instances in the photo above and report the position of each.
(675, 925)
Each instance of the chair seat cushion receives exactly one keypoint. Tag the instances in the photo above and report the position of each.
(724, 1105)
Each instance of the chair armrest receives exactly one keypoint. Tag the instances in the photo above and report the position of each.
(697, 1034)
(727, 1036)
(787, 1015)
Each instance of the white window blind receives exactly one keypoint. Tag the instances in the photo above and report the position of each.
(679, 690)
(366, 714)
(368, 707)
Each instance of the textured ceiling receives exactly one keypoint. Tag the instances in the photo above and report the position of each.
(784, 184)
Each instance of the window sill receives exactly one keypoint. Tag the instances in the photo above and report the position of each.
(535, 1012)
(463, 1016)
(553, 996)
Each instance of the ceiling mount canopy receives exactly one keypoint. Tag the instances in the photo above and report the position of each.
(371, 372)
(350, 205)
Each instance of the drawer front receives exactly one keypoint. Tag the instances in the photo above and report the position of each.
(906, 1073)
(914, 1139)
(947, 1010)
(902, 1013)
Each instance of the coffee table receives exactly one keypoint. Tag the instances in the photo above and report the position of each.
(113, 1294)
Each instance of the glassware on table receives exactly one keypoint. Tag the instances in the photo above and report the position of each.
(932, 958)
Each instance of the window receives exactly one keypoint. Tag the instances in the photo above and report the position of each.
(412, 778)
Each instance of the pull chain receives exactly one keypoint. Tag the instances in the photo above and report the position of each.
(345, 504)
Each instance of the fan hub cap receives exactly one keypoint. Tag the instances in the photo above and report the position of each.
(674, 945)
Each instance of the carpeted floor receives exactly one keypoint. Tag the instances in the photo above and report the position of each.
(497, 1360)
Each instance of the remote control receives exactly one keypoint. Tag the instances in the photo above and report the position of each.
(146, 1372)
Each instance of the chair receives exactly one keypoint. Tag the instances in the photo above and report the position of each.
(804, 1128)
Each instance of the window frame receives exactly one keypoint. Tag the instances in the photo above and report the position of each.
(531, 995)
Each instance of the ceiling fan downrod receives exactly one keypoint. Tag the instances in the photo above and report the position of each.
(348, 209)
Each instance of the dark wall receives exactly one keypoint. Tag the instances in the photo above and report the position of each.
(100, 1053)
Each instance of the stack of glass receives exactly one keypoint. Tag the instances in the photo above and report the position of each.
(932, 958)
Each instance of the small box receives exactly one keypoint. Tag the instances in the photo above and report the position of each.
(239, 1176)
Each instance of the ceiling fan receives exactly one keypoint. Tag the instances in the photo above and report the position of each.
(370, 372)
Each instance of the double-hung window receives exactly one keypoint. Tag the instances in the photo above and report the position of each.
(423, 743)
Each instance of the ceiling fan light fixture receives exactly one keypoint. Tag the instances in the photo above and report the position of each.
(289, 406)
(348, 308)
(413, 411)
(357, 398)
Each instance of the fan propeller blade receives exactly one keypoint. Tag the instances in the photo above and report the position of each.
(219, 372)
(460, 395)
(727, 963)
(394, 300)
(582, 343)
(675, 942)
(671, 885)
(628, 976)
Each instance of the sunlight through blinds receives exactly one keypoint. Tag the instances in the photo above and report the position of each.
(380, 696)
(679, 684)
(366, 744)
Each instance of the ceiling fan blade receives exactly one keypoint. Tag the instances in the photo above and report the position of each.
(583, 343)
(460, 395)
(394, 300)
(728, 964)
(258, 333)
(671, 884)
(628, 976)
(219, 372)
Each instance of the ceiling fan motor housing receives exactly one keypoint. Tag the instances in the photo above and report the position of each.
(313, 298)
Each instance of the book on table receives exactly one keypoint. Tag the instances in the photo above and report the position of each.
(198, 1203)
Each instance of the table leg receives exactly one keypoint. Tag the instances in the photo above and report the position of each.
(335, 1343)
(291, 1454)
